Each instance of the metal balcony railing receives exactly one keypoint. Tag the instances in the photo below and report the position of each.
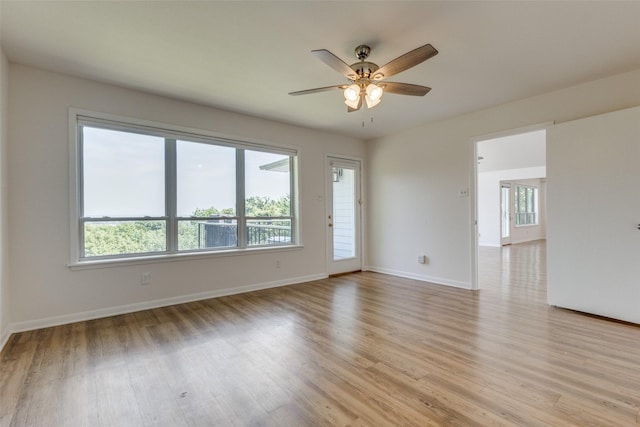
(217, 233)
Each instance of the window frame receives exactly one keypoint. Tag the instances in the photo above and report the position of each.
(529, 210)
(79, 118)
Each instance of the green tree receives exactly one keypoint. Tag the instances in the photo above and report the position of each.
(209, 212)
(129, 237)
(262, 206)
(124, 237)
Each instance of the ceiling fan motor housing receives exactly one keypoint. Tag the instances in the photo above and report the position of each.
(362, 52)
(364, 69)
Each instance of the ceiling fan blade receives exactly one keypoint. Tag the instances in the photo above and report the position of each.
(405, 61)
(351, 110)
(336, 63)
(405, 89)
(318, 89)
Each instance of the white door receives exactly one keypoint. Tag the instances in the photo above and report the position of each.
(593, 215)
(343, 216)
(505, 214)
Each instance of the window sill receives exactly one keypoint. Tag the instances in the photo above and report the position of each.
(155, 259)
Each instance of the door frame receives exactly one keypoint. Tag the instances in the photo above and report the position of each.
(475, 247)
(506, 241)
(328, 210)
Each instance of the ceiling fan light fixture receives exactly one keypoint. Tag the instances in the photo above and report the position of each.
(353, 104)
(352, 96)
(352, 92)
(371, 103)
(374, 95)
(374, 92)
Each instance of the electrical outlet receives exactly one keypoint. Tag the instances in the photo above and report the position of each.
(146, 279)
(278, 263)
(464, 192)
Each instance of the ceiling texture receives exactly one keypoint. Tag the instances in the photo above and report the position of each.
(246, 56)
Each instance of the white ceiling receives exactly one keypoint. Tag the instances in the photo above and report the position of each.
(524, 150)
(246, 56)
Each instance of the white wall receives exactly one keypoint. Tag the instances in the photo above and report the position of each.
(4, 255)
(415, 177)
(45, 291)
(489, 205)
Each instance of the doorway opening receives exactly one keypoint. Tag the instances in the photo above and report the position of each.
(510, 201)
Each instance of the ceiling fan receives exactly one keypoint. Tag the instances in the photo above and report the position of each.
(366, 78)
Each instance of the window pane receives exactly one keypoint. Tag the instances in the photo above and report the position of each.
(207, 234)
(521, 206)
(344, 221)
(268, 232)
(206, 179)
(124, 237)
(123, 174)
(134, 187)
(529, 200)
(267, 184)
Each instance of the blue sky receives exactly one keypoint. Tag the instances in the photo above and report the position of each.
(124, 175)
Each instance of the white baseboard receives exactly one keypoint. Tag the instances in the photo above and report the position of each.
(130, 308)
(422, 278)
(514, 242)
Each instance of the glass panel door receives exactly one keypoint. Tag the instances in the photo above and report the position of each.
(343, 216)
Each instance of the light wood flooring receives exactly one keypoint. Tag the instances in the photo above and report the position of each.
(364, 349)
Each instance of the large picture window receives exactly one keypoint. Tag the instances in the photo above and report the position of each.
(145, 191)
(526, 209)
